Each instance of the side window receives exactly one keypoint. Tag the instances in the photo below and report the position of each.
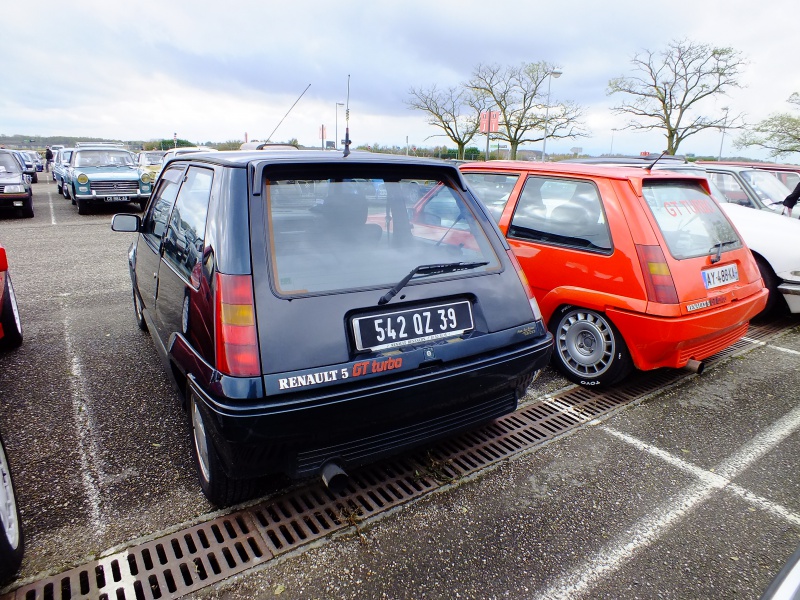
(562, 212)
(731, 188)
(155, 223)
(183, 244)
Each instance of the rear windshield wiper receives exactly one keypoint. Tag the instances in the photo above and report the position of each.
(436, 269)
(718, 248)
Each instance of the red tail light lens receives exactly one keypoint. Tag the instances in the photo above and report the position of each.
(525, 284)
(657, 276)
(237, 342)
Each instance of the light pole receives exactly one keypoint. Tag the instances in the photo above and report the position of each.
(336, 131)
(554, 73)
(611, 150)
(724, 126)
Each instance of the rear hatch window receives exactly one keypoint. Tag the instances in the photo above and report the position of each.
(690, 221)
(331, 235)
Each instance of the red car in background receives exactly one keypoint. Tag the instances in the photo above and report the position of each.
(10, 324)
(630, 267)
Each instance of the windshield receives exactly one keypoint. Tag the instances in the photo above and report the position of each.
(8, 164)
(771, 191)
(690, 221)
(103, 158)
(370, 232)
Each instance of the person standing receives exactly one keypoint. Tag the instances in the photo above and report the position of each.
(48, 158)
(791, 200)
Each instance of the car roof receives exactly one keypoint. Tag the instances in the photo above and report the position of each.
(577, 168)
(242, 158)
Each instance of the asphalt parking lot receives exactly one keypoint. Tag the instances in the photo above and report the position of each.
(692, 492)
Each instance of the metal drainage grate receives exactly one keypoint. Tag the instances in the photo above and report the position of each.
(188, 560)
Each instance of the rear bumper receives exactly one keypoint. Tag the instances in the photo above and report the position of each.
(656, 342)
(791, 293)
(364, 421)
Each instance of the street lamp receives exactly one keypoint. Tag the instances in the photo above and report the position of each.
(554, 73)
(336, 139)
(724, 126)
(611, 150)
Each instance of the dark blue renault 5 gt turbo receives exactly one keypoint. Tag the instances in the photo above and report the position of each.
(314, 324)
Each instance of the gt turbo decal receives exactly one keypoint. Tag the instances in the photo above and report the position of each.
(362, 368)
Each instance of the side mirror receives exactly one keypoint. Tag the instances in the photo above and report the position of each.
(126, 223)
(3, 260)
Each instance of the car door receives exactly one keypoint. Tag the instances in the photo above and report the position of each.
(573, 243)
(182, 253)
(150, 244)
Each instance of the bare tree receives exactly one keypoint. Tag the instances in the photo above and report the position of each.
(667, 87)
(520, 94)
(455, 110)
(779, 133)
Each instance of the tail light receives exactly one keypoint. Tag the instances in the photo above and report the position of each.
(657, 276)
(524, 280)
(236, 339)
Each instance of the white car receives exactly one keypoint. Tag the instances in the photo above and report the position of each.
(773, 240)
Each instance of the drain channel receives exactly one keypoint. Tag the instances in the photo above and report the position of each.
(188, 560)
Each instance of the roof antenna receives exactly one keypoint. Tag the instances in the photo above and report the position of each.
(269, 138)
(653, 164)
(347, 121)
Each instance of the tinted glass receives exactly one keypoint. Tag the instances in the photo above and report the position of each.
(562, 212)
(690, 221)
(155, 224)
(329, 235)
(183, 244)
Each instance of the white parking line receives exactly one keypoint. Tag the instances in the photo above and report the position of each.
(760, 343)
(609, 559)
(91, 473)
(52, 210)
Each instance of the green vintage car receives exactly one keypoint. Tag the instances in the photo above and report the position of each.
(102, 174)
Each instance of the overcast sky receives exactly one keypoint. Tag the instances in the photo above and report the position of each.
(213, 71)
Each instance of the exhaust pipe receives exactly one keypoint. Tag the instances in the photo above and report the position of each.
(334, 477)
(695, 366)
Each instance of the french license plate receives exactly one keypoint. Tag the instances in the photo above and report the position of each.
(117, 199)
(713, 278)
(390, 330)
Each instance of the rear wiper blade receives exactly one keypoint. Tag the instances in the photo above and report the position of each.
(427, 270)
(718, 247)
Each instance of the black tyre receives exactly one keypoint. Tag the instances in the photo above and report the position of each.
(220, 489)
(65, 191)
(83, 207)
(589, 350)
(137, 311)
(775, 301)
(9, 317)
(12, 543)
(27, 210)
(35, 178)
(58, 186)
